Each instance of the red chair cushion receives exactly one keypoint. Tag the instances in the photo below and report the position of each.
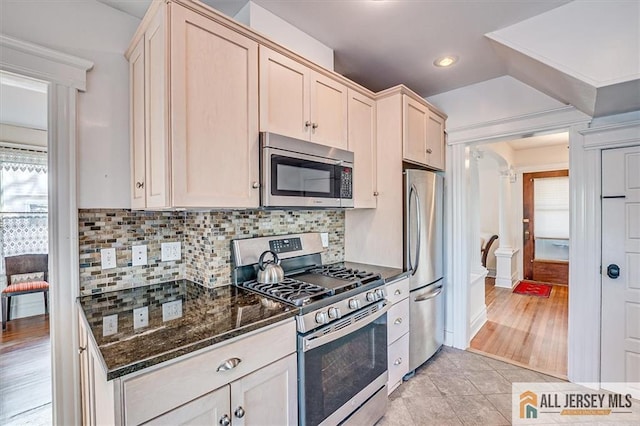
(27, 286)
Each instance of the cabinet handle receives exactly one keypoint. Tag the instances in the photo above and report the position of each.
(397, 361)
(139, 185)
(225, 420)
(81, 349)
(239, 413)
(255, 185)
(429, 150)
(376, 193)
(229, 364)
(397, 292)
(307, 124)
(398, 321)
(314, 126)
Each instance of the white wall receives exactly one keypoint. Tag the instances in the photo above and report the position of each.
(489, 189)
(282, 32)
(94, 31)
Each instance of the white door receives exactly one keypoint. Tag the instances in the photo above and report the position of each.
(620, 341)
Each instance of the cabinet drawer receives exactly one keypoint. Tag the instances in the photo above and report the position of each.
(398, 361)
(398, 290)
(398, 320)
(148, 395)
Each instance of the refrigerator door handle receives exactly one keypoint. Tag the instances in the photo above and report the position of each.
(419, 228)
(428, 296)
(410, 263)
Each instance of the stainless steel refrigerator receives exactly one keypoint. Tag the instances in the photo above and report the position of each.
(423, 256)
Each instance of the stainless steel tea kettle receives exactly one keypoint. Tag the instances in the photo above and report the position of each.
(270, 271)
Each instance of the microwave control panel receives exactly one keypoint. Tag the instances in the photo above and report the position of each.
(346, 182)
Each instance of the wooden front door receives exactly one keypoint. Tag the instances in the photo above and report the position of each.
(546, 249)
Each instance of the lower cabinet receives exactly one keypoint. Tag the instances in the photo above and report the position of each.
(397, 332)
(265, 397)
(249, 381)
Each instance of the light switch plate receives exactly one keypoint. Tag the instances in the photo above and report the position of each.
(171, 251)
(141, 317)
(139, 255)
(108, 258)
(325, 239)
(110, 325)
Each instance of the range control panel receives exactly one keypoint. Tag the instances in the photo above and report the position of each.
(285, 245)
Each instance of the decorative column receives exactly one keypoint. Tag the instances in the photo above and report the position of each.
(477, 272)
(505, 253)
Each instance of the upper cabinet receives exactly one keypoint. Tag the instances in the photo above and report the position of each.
(422, 134)
(362, 141)
(194, 113)
(299, 102)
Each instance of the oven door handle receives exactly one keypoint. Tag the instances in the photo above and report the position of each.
(311, 342)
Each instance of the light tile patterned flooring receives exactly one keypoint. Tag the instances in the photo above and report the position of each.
(456, 387)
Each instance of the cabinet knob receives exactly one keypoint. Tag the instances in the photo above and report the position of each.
(255, 185)
(376, 193)
(307, 124)
(81, 349)
(397, 361)
(139, 185)
(398, 292)
(225, 420)
(398, 321)
(429, 150)
(314, 126)
(239, 413)
(229, 364)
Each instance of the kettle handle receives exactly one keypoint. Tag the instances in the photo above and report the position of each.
(261, 262)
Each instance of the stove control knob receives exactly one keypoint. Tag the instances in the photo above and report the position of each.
(321, 318)
(379, 294)
(334, 313)
(371, 297)
(354, 304)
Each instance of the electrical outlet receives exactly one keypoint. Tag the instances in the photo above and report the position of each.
(171, 310)
(141, 317)
(171, 251)
(325, 239)
(109, 325)
(108, 258)
(138, 255)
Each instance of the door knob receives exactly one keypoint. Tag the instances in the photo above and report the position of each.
(613, 271)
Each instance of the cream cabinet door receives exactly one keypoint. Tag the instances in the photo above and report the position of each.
(435, 141)
(157, 175)
(268, 396)
(209, 409)
(137, 126)
(214, 96)
(414, 135)
(362, 141)
(284, 95)
(329, 104)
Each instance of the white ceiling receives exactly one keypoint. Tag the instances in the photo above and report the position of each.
(383, 43)
(540, 141)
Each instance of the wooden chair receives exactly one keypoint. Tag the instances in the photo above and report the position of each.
(486, 248)
(18, 269)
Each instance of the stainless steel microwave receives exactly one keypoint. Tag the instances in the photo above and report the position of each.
(297, 173)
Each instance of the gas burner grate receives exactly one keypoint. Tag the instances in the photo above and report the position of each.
(289, 290)
(342, 273)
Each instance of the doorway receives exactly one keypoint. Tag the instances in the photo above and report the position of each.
(25, 344)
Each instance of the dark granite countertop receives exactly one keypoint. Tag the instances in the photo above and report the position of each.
(209, 316)
(388, 274)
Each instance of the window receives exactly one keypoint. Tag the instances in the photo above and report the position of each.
(551, 212)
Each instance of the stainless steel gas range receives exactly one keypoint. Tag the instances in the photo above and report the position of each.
(341, 322)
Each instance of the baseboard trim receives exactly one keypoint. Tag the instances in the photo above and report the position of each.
(477, 322)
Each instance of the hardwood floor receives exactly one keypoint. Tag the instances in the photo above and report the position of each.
(528, 330)
(25, 372)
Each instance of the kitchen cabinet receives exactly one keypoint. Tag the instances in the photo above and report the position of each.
(194, 112)
(252, 380)
(423, 134)
(362, 142)
(397, 332)
(302, 103)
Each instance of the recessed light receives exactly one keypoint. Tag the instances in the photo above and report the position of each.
(445, 61)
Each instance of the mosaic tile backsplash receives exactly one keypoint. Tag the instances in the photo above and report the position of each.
(205, 237)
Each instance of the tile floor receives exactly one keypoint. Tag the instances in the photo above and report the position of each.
(456, 387)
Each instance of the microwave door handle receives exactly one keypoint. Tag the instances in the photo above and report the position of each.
(312, 342)
(419, 227)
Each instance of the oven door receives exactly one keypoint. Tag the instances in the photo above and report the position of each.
(300, 180)
(342, 365)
